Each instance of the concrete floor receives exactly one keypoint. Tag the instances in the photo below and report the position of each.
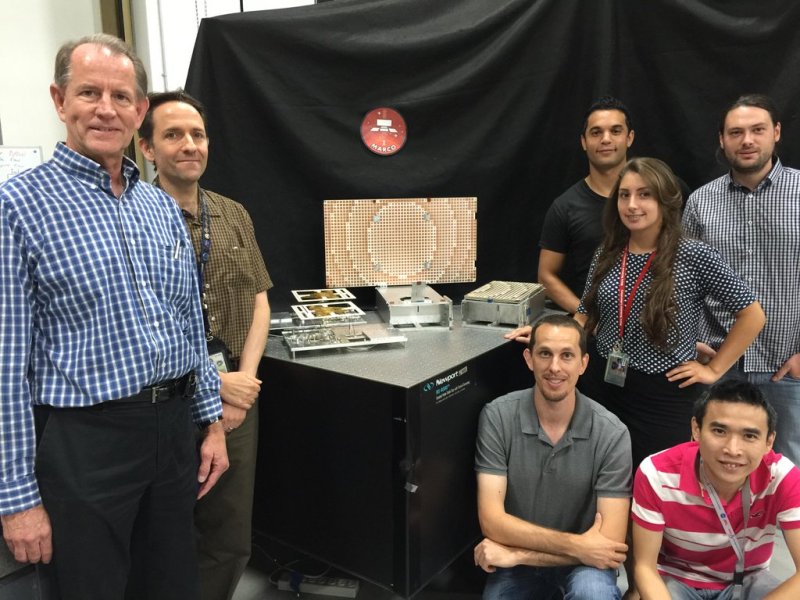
(459, 582)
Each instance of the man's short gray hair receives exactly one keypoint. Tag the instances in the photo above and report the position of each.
(114, 44)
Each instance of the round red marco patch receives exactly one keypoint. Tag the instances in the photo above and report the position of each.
(383, 131)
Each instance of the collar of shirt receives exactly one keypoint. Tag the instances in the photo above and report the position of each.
(774, 173)
(580, 427)
(91, 173)
(211, 206)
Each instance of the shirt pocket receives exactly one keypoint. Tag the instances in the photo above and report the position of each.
(174, 272)
(238, 268)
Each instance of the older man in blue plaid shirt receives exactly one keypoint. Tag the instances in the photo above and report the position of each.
(752, 216)
(104, 365)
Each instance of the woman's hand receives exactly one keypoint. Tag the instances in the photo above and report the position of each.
(693, 372)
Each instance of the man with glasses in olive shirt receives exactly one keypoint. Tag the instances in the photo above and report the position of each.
(235, 283)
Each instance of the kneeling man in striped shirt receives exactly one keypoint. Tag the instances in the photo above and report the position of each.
(706, 513)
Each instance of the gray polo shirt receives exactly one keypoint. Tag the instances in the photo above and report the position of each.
(554, 486)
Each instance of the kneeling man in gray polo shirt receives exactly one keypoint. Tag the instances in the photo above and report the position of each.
(554, 479)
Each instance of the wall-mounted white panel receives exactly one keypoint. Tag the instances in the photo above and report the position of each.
(30, 33)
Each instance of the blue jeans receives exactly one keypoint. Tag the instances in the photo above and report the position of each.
(755, 587)
(551, 583)
(784, 396)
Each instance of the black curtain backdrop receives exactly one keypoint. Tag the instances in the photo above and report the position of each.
(493, 93)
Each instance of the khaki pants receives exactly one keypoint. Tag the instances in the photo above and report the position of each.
(223, 518)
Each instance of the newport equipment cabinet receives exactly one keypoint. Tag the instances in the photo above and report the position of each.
(366, 457)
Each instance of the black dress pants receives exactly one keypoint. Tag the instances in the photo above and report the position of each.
(119, 482)
(657, 412)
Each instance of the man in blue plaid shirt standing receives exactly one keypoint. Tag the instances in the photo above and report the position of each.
(752, 216)
(105, 372)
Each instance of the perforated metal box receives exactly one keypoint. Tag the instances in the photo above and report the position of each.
(503, 303)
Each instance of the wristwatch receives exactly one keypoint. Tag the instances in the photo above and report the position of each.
(206, 424)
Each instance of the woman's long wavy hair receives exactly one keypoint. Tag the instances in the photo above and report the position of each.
(660, 309)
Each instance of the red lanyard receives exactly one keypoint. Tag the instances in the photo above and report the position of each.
(625, 305)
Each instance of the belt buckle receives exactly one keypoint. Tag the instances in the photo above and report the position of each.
(154, 395)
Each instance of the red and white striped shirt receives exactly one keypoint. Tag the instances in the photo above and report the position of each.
(667, 497)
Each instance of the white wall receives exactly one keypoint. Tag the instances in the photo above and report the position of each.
(31, 32)
(165, 32)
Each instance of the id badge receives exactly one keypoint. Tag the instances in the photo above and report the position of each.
(219, 355)
(617, 368)
(218, 358)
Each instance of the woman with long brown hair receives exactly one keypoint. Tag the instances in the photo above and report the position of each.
(643, 301)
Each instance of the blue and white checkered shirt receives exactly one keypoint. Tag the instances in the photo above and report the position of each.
(98, 299)
(758, 234)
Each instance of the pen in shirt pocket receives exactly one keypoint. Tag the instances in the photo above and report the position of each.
(177, 251)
